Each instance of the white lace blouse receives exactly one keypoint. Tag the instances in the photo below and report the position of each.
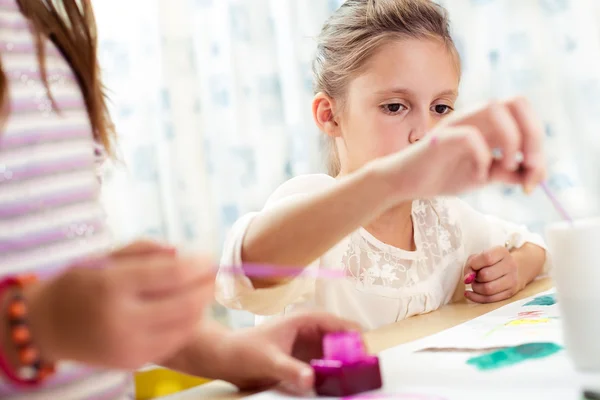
(383, 284)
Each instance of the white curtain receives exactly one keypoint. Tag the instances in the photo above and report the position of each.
(212, 104)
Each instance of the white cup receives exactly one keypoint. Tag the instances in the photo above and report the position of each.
(575, 252)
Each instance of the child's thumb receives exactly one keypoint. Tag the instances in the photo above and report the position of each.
(469, 273)
(292, 373)
(470, 276)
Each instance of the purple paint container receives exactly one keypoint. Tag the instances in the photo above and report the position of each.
(346, 368)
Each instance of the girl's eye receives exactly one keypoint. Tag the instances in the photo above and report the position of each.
(393, 108)
(442, 109)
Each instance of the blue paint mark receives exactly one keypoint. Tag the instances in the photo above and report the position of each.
(514, 355)
(547, 300)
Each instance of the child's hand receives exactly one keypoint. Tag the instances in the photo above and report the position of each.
(453, 161)
(141, 307)
(277, 352)
(493, 276)
(511, 126)
(458, 155)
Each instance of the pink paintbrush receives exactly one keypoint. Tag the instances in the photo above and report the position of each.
(561, 210)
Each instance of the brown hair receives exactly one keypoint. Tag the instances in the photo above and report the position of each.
(71, 25)
(356, 30)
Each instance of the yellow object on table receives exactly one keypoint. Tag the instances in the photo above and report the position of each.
(156, 382)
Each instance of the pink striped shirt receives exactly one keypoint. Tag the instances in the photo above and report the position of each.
(50, 213)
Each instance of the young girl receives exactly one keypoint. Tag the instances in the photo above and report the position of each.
(386, 73)
(145, 304)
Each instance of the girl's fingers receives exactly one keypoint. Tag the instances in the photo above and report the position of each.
(483, 299)
(533, 176)
(499, 128)
(531, 129)
(507, 129)
(488, 258)
(499, 174)
(157, 275)
(293, 374)
(494, 287)
(470, 276)
(478, 149)
(142, 247)
(178, 310)
(469, 273)
(491, 274)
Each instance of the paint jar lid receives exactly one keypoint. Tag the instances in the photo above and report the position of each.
(347, 347)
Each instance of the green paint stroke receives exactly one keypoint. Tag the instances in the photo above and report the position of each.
(513, 355)
(547, 300)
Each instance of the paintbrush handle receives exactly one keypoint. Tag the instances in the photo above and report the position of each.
(275, 271)
(561, 210)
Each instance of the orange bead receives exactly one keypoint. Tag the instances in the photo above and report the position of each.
(17, 309)
(28, 355)
(21, 335)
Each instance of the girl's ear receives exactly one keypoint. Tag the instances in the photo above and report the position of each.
(323, 108)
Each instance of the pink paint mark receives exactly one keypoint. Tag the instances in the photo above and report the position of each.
(530, 314)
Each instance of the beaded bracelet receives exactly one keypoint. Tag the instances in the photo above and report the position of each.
(33, 371)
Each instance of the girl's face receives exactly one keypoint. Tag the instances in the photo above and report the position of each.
(406, 88)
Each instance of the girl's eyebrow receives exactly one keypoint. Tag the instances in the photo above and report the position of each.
(450, 92)
(408, 92)
(397, 90)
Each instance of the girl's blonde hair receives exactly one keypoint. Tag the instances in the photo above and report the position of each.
(356, 30)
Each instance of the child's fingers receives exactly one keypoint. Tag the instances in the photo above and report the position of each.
(502, 120)
(470, 276)
(160, 274)
(483, 299)
(477, 148)
(490, 274)
(294, 374)
(499, 174)
(494, 287)
(469, 273)
(488, 258)
(533, 176)
(532, 133)
(497, 124)
(142, 247)
(178, 310)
